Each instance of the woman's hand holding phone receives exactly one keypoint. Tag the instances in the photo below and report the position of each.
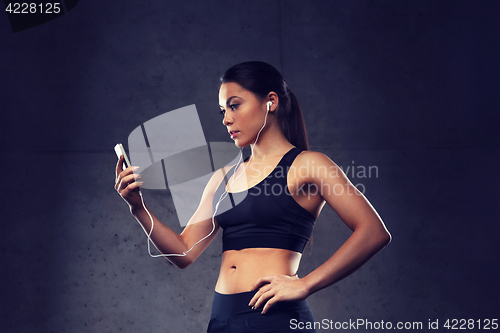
(126, 184)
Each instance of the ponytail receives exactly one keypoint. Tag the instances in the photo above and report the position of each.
(292, 123)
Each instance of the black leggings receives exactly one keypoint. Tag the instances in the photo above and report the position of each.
(231, 314)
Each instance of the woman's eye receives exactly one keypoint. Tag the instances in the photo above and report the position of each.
(233, 107)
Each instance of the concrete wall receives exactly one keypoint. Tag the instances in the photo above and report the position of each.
(408, 87)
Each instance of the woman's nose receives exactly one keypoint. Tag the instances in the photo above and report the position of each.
(226, 120)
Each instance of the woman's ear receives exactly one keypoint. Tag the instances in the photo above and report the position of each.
(272, 101)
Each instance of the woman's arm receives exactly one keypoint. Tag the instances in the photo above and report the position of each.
(165, 239)
(369, 235)
(369, 232)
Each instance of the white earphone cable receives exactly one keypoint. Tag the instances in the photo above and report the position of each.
(222, 197)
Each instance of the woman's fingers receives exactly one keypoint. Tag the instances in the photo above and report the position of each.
(127, 182)
(263, 280)
(277, 288)
(119, 172)
(126, 176)
(275, 298)
(129, 188)
(119, 167)
(264, 283)
(261, 296)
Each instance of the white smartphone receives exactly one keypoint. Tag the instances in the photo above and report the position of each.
(119, 150)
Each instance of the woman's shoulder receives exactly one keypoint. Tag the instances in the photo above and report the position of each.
(315, 166)
(313, 158)
(216, 179)
(219, 174)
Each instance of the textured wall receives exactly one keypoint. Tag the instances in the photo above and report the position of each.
(408, 87)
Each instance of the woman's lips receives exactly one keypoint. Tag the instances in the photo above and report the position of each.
(234, 134)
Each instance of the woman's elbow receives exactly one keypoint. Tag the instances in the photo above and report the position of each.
(382, 236)
(385, 238)
(181, 262)
(378, 236)
(181, 265)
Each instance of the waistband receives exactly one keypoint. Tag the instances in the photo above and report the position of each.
(229, 305)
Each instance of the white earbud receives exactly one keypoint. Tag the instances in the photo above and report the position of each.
(269, 104)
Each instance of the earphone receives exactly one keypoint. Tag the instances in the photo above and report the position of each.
(221, 198)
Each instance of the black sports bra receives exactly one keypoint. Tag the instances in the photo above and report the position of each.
(266, 215)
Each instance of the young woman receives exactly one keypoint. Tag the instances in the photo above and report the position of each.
(267, 206)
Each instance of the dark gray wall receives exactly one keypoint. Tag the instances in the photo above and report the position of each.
(409, 87)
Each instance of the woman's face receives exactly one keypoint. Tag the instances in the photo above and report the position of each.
(243, 111)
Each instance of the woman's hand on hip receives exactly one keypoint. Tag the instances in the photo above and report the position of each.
(277, 288)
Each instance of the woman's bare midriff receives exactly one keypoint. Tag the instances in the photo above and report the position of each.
(240, 269)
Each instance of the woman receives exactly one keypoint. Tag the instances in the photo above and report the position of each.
(267, 206)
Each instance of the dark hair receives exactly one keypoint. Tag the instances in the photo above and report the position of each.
(261, 78)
